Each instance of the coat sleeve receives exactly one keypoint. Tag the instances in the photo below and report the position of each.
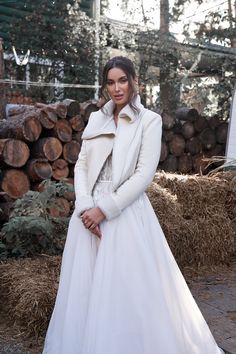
(113, 204)
(83, 200)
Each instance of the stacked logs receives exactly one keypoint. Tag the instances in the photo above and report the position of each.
(39, 142)
(17, 97)
(189, 139)
(42, 141)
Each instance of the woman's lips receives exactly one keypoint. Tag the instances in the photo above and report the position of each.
(119, 97)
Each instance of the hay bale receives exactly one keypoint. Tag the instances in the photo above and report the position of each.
(230, 203)
(177, 230)
(28, 290)
(198, 195)
(202, 230)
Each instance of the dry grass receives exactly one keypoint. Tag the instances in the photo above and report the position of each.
(197, 215)
(28, 289)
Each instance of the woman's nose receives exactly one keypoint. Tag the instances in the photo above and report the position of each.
(117, 86)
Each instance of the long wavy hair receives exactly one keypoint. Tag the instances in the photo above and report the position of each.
(127, 66)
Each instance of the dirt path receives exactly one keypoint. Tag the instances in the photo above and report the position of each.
(214, 291)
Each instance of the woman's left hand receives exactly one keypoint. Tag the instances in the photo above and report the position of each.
(92, 218)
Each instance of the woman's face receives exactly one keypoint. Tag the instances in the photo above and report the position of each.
(118, 87)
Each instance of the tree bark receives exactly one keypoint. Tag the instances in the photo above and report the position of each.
(59, 108)
(26, 127)
(87, 108)
(20, 110)
(186, 114)
(72, 106)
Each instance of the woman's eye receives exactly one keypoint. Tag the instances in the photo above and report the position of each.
(124, 80)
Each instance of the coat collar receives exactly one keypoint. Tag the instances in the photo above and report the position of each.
(127, 111)
(103, 122)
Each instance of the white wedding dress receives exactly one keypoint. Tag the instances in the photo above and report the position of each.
(124, 294)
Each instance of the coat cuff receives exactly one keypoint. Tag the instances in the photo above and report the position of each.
(108, 207)
(83, 203)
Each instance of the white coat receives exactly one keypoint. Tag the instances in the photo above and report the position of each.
(135, 144)
(123, 293)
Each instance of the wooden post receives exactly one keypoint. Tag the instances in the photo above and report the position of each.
(2, 85)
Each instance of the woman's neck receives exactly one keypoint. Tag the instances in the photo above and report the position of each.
(117, 110)
(116, 113)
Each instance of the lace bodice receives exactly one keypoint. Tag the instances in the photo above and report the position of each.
(105, 173)
(103, 184)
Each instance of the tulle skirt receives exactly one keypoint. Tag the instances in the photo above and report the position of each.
(124, 294)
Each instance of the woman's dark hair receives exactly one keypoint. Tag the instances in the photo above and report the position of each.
(127, 66)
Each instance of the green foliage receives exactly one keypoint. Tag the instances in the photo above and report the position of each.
(60, 32)
(30, 229)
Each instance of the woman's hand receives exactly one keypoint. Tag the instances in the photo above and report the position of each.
(91, 219)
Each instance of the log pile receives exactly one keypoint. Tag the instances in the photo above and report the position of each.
(39, 142)
(17, 97)
(188, 139)
(42, 141)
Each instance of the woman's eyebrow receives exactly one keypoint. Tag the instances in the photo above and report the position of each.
(122, 77)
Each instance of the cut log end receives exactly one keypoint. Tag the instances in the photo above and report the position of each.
(39, 169)
(49, 148)
(15, 183)
(177, 145)
(60, 169)
(71, 151)
(63, 130)
(14, 153)
(77, 123)
(32, 129)
(73, 107)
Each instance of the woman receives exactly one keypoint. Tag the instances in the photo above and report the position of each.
(121, 291)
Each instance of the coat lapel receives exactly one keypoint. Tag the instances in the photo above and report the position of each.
(125, 144)
(103, 136)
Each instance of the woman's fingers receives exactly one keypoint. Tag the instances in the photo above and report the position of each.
(93, 215)
(90, 224)
(96, 231)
